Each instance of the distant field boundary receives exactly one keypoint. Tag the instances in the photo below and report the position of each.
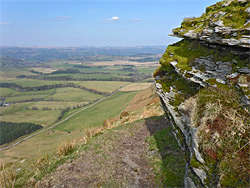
(30, 136)
(21, 88)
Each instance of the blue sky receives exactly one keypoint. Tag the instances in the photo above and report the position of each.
(94, 23)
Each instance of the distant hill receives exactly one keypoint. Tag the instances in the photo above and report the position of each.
(9, 61)
(78, 53)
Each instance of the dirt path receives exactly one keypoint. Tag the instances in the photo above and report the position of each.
(117, 158)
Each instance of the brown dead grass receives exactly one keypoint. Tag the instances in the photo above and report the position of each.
(136, 87)
(66, 148)
(90, 132)
(7, 177)
(142, 99)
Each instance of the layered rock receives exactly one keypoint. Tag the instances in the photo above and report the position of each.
(225, 23)
(204, 86)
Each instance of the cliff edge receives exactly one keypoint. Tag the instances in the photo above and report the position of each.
(204, 85)
(226, 22)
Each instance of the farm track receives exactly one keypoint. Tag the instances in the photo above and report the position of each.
(30, 136)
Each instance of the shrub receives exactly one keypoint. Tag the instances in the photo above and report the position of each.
(66, 148)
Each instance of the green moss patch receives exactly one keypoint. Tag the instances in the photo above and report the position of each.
(169, 167)
(186, 51)
(235, 16)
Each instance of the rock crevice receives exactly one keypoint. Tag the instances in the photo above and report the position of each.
(204, 86)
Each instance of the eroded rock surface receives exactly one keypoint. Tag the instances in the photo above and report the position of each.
(204, 85)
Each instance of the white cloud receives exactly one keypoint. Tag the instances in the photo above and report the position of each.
(113, 19)
(63, 18)
(59, 18)
(4, 23)
(136, 19)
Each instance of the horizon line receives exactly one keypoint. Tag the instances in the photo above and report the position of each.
(84, 46)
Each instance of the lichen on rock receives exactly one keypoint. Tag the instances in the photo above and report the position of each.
(227, 22)
(204, 85)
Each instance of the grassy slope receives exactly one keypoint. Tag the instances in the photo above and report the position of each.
(92, 117)
(106, 109)
(105, 86)
(69, 97)
(161, 155)
(7, 92)
(9, 73)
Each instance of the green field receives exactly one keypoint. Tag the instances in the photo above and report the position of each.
(40, 101)
(9, 73)
(60, 94)
(33, 82)
(7, 92)
(71, 129)
(19, 113)
(106, 109)
(24, 111)
(105, 86)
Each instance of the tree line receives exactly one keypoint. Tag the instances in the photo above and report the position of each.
(70, 78)
(21, 88)
(10, 131)
(65, 71)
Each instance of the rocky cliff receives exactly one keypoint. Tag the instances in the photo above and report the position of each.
(226, 22)
(204, 85)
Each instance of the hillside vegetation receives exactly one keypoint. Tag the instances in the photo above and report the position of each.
(204, 83)
(129, 149)
(10, 131)
(46, 85)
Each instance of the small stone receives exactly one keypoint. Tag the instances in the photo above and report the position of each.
(242, 85)
(235, 34)
(201, 173)
(18, 169)
(191, 34)
(222, 13)
(208, 31)
(158, 86)
(245, 40)
(244, 70)
(248, 10)
(233, 75)
(247, 22)
(217, 23)
(227, 3)
(233, 42)
(234, 61)
(157, 78)
(242, 1)
(174, 63)
(220, 81)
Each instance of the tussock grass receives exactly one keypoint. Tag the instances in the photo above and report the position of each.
(223, 127)
(33, 170)
(66, 148)
(27, 172)
(90, 132)
(7, 177)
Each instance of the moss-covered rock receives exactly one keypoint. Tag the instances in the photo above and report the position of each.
(227, 22)
(205, 91)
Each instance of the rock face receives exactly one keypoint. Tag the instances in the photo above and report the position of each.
(204, 86)
(227, 23)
